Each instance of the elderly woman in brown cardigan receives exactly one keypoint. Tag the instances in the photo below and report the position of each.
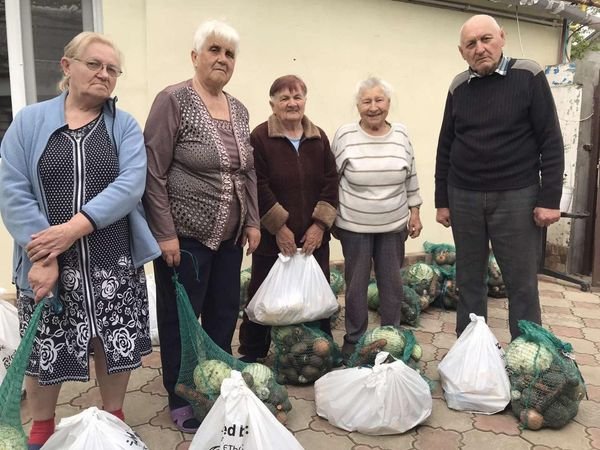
(297, 196)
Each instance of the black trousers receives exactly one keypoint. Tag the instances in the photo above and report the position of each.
(213, 287)
(255, 339)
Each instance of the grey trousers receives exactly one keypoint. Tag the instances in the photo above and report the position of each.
(504, 218)
(386, 251)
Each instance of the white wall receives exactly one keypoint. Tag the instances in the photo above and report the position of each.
(330, 44)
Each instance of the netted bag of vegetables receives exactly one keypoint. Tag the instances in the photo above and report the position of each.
(496, 287)
(12, 436)
(303, 354)
(244, 282)
(449, 293)
(410, 307)
(424, 280)
(400, 344)
(336, 280)
(546, 385)
(443, 256)
(204, 366)
(373, 296)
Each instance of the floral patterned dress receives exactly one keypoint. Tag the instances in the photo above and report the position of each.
(102, 293)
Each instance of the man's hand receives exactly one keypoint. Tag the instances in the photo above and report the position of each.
(312, 239)
(285, 241)
(414, 223)
(170, 251)
(544, 216)
(442, 216)
(251, 236)
(43, 277)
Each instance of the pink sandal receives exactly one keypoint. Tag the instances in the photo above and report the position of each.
(184, 414)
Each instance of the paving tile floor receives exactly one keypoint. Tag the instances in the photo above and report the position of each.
(572, 315)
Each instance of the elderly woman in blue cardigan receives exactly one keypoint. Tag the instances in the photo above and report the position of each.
(71, 180)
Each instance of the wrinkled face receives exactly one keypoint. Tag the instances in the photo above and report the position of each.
(373, 107)
(481, 43)
(88, 82)
(288, 105)
(214, 62)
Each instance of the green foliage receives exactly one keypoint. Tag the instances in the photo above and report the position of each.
(579, 44)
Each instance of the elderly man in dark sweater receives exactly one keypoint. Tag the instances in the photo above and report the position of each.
(499, 169)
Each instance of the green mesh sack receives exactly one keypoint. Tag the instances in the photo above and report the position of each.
(336, 280)
(400, 344)
(204, 365)
(373, 296)
(12, 436)
(410, 307)
(244, 282)
(546, 385)
(303, 354)
(449, 294)
(443, 256)
(424, 280)
(496, 287)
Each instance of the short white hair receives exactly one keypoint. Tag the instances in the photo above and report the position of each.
(371, 83)
(218, 29)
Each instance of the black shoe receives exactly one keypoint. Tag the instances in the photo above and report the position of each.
(248, 359)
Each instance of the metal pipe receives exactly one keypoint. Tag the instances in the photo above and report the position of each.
(562, 9)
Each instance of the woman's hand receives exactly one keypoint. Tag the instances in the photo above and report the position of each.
(43, 277)
(170, 251)
(414, 223)
(56, 239)
(251, 236)
(312, 239)
(286, 241)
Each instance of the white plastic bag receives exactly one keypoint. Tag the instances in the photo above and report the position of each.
(295, 291)
(9, 335)
(239, 420)
(151, 286)
(94, 429)
(473, 373)
(386, 399)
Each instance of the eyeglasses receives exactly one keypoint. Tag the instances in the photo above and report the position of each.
(97, 66)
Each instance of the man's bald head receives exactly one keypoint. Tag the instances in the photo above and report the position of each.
(481, 43)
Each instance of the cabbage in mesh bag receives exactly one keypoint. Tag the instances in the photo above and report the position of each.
(443, 256)
(244, 282)
(204, 365)
(496, 287)
(410, 307)
(424, 280)
(303, 354)
(546, 385)
(400, 344)
(336, 280)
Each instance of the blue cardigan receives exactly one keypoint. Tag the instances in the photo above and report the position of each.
(22, 201)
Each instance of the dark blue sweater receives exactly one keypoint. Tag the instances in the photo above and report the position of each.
(501, 133)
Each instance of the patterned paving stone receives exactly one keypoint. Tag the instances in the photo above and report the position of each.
(589, 413)
(392, 442)
(73, 389)
(441, 353)
(320, 424)
(582, 346)
(140, 408)
(586, 360)
(423, 337)
(587, 313)
(429, 351)
(321, 441)
(567, 332)
(301, 415)
(184, 445)
(546, 294)
(562, 320)
(592, 323)
(593, 393)
(448, 419)
(505, 423)
(497, 313)
(139, 377)
(448, 327)
(444, 340)
(476, 439)
(556, 310)
(154, 387)
(429, 438)
(593, 334)
(152, 360)
(550, 284)
(594, 436)
(430, 325)
(494, 322)
(162, 420)
(591, 375)
(365, 447)
(586, 305)
(570, 437)
(578, 296)
(301, 392)
(156, 438)
(91, 397)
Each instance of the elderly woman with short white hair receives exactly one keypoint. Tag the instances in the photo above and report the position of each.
(379, 206)
(200, 199)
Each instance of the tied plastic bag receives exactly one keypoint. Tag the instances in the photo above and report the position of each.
(9, 335)
(239, 420)
(386, 399)
(295, 291)
(93, 429)
(473, 373)
(151, 286)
